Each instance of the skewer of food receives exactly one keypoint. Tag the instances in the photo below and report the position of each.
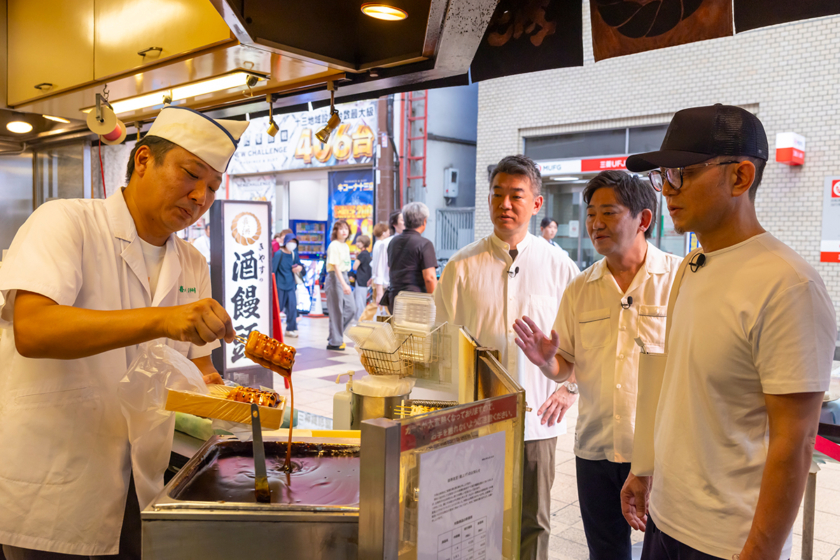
(269, 353)
(254, 396)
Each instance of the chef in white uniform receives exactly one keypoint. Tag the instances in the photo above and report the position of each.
(84, 283)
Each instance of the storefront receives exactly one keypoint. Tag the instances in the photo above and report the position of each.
(568, 161)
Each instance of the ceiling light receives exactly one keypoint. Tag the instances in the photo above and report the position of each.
(209, 86)
(384, 12)
(565, 178)
(19, 127)
(57, 119)
(227, 81)
(324, 134)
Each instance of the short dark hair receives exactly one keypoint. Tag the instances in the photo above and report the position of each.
(393, 220)
(547, 221)
(630, 190)
(520, 165)
(364, 240)
(759, 173)
(158, 147)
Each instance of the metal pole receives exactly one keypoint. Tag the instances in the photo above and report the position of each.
(809, 507)
(379, 490)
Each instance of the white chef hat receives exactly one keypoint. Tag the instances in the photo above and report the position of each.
(214, 141)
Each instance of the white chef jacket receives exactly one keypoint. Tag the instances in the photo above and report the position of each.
(379, 261)
(65, 465)
(597, 335)
(477, 291)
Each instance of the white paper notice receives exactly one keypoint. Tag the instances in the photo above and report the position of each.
(461, 505)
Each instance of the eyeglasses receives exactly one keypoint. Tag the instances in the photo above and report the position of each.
(674, 175)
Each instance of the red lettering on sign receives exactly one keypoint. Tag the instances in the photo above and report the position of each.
(603, 164)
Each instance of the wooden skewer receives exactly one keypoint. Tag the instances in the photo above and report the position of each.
(242, 339)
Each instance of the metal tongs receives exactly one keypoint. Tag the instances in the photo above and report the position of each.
(263, 492)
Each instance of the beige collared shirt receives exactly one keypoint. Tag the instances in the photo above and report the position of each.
(484, 290)
(598, 335)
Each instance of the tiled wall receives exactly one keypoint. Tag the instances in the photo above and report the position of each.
(789, 75)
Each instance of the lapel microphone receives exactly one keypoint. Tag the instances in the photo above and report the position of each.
(627, 304)
(697, 262)
(513, 272)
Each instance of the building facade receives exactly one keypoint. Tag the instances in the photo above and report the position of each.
(788, 75)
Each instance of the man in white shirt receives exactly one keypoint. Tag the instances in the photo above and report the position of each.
(85, 282)
(203, 243)
(749, 358)
(618, 299)
(485, 287)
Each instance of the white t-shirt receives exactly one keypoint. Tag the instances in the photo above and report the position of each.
(153, 256)
(338, 257)
(598, 334)
(755, 320)
(481, 290)
(379, 262)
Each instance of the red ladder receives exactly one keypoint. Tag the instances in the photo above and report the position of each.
(415, 109)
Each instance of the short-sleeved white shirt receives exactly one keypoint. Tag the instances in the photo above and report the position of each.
(481, 290)
(598, 335)
(755, 320)
(379, 262)
(338, 257)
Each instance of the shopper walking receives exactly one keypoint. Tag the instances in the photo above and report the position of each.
(363, 274)
(749, 356)
(592, 347)
(340, 303)
(411, 257)
(379, 276)
(381, 270)
(286, 265)
(486, 286)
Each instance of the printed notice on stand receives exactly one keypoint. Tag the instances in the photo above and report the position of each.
(461, 502)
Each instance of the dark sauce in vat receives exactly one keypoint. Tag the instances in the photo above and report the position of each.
(314, 480)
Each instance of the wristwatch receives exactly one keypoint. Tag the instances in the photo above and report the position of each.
(572, 388)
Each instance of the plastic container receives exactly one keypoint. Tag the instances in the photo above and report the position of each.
(343, 404)
(414, 312)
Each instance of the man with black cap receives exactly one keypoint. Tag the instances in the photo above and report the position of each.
(749, 357)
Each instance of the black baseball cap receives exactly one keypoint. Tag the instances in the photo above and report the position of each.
(698, 134)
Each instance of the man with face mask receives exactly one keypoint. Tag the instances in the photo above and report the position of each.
(84, 283)
(619, 298)
(485, 287)
(286, 264)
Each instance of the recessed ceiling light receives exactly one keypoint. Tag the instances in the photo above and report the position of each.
(384, 12)
(19, 127)
(57, 119)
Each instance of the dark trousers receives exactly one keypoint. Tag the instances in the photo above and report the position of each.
(130, 538)
(599, 493)
(287, 299)
(538, 477)
(659, 546)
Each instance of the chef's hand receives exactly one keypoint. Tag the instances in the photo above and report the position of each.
(634, 500)
(213, 379)
(200, 322)
(534, 344)
(555, 407)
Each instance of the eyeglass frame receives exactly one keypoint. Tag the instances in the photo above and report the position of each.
(663, 175)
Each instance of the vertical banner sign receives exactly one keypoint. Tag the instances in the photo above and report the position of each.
(830, 241)
(246, 228)
(461, 504)
(351, 199)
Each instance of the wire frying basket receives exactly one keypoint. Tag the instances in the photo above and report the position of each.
(399, 362)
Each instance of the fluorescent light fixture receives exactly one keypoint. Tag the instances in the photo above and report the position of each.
(135, 103)
(310, 106)
(384, 12)
(209, 86)
(57, 119)
(227, 81)
(565, 178)
(19, 127)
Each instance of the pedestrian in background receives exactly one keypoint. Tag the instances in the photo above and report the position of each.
(340, 304)
(411, 257)
(548, 231)
(363, 274)
(286, 264)
(379, 276)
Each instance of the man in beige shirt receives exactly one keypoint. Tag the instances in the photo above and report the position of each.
(618, 299)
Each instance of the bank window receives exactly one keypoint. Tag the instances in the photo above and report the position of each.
(645, 138)
(578, 144)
